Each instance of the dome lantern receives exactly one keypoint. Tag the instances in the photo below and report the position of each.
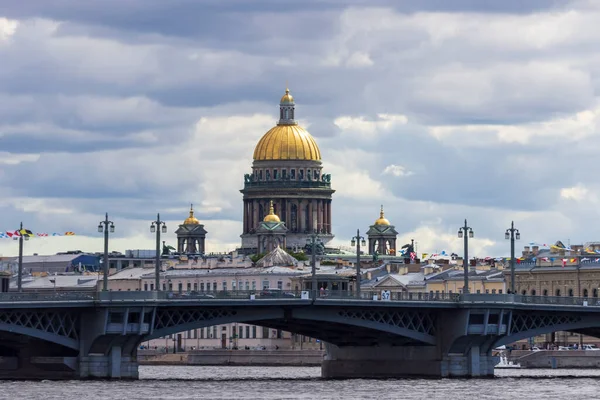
(191, 220)
(382, 220)
(271, 217)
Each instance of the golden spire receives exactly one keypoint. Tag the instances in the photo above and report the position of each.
(382, 220)
(191, 220)
(271, 217)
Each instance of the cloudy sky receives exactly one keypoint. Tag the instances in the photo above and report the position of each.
(441, 110)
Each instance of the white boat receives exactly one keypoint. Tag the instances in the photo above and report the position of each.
(504, 363)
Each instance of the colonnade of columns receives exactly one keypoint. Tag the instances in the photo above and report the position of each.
(299, 215)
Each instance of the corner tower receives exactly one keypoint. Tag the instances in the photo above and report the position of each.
(191, 235)
(382, 236)
(287, 169)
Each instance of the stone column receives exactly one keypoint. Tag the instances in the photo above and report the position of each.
(254, 214)
(288, 214)
(319, 215)
(329, 216)
(310, 216)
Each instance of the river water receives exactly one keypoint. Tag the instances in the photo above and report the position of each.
(183, 382)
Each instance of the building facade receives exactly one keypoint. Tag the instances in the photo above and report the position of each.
(287, 170)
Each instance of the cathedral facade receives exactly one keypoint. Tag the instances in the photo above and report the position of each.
(287, 170)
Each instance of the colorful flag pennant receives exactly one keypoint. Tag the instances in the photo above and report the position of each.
(69, 233)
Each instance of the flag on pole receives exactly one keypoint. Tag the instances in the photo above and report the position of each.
(26, 233)
(424, 256)
(69, 233)
(564, 262)
(42, 234)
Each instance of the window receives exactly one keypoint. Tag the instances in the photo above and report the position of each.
(152, 286)
(241, 285)
(247, 285)
(524, 292)
(283, 174)
(253, 285)
(188, 334)
(570, 292)
(224, 285)
(189, 286)
(265, 284)
(233, 285)
(499, 291)
(279, 285)
(275, 174)
(201, 333)
(196, 286)
(260, 175)
(293, 174)
(265, 333)
(202, 286)
(241, 332)
(214, 286)
(195, 333)
(487, 291)
(180, 287)
(585, 293)
(316, 175)
(533, 292)
(493, 291)
(478, 291)
(170, 286)
(300, 174)
(164, 287)
(214, 335)
(146, 287)
(253, 331)
(247, 331)
(557, 292)
(595, 293)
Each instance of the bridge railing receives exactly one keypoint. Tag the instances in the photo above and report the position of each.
(46, 296)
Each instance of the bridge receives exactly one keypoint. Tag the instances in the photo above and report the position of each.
(69, 335)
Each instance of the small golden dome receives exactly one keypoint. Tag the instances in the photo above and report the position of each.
(271, 217)
(191, 220)
(287, 142)
(382, 220)
(287, 97)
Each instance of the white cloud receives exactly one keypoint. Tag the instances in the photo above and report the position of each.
(397, 170)
(577, 193)
(8, 27)
(365, 126)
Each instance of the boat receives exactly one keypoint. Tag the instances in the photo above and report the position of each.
(504, 363)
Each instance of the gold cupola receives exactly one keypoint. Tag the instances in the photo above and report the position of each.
(191, 220)
(287, 140)
(287, 97)
(271, 217)
(382, 220)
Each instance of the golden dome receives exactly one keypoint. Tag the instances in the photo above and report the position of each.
(287, 97)
(191, 220)
(382, 220)
(287, 142)
(271, 217)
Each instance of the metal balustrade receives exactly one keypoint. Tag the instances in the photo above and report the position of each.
(292, 295)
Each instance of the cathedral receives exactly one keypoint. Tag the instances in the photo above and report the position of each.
(287, 182)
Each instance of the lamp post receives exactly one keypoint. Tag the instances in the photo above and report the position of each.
(105, 226)
(357, 241)
(313, 242)
(466, 232)
(513, 234)
(22, 237)
(156, 227)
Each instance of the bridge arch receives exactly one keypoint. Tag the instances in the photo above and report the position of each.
(328, 324)
(58, 327)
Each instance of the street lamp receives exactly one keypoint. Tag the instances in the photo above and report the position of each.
(105, 226)
(22, 236)
(156, 227)
(466, 232)
(313, 242)
(512, 233)
(358, 241)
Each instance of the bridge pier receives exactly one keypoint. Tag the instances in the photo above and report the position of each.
(403, 361)
(113, 366)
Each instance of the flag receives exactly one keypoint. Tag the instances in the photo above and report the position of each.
(413, 255)
(424, 256)
(564, 262)
(42, 234)
(573, 260)
(3, 235)
(26, 233)
(69, 233)
(13, 233)
(56, 234)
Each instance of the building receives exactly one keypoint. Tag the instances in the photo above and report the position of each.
(59, 263)
(287, 169)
